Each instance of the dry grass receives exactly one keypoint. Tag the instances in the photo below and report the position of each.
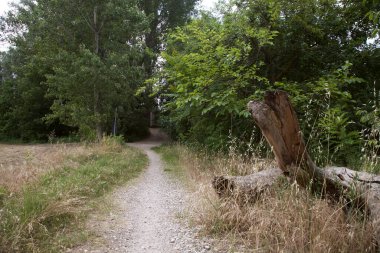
(44, 213)
(20, 164)
(288, 219)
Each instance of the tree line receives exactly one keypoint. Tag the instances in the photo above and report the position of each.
(324, 53)
(74, 66)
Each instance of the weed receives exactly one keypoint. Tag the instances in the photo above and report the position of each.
(371, 135)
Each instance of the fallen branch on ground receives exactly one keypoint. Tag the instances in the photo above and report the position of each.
(279, 124)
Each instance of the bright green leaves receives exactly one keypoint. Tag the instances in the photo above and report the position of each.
(79, 77)
(374, 15)
(214, 66)
(324, 108)
(208, 73)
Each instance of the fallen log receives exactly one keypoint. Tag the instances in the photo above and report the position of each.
(278, 122)
(246, 188)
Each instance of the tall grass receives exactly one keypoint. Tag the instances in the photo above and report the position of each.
(45, 215)
(287, 219)
(21, 164)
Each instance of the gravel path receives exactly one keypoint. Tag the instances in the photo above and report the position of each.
(147, 216)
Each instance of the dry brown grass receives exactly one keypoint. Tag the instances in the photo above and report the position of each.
(288, 219)
(64, 184)
(20, 164)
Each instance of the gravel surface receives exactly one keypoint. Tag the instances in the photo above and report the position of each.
(147, 215)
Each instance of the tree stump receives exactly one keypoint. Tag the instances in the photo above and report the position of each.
(278, 122)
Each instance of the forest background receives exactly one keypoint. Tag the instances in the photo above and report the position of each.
(75, 68)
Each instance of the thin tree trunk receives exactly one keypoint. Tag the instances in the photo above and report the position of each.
(98, 124)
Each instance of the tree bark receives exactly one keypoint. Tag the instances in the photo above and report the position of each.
(279, 124)
(246, 188)
(98, 124)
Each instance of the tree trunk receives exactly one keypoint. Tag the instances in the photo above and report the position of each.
(246, 188)
(98, 124)
(279, 124)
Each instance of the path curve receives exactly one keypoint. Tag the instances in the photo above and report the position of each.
(148, 215)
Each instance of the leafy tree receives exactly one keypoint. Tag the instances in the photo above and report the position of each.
(163, 15)
(208, 76)
(22, 102)
(88, 56)
(214, 65)
(80, 62)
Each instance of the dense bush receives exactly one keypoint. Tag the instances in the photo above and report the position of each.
(216, 64)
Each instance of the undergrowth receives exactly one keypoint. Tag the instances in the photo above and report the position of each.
(286, 219)
(46, 215)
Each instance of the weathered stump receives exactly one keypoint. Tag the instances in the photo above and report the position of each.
(279, 124)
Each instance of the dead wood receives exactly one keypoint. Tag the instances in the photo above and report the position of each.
(279, 124)
(246, 188)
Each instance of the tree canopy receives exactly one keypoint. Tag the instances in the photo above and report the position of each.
(75, 66)
(317, 50)
(89, 68)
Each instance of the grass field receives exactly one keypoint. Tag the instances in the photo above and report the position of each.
(20, 164)
(47, 191)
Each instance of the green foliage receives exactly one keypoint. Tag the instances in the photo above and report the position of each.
(89, 83)
(163, 15)
(77, 77)
(205, 79)
(215, 65)
(371, 134)
(75, 66)
(324, 108)
(35, 219)
(374, 15)
(22, 102)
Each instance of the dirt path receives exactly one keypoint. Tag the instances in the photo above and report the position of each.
(148, 215)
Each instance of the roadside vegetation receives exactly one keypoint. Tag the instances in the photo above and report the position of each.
(325, 56)
(73, 68)
(88, 68)
(316, 51)
(286, 219)
(46, 213)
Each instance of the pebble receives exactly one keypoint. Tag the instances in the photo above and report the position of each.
(161, 208)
